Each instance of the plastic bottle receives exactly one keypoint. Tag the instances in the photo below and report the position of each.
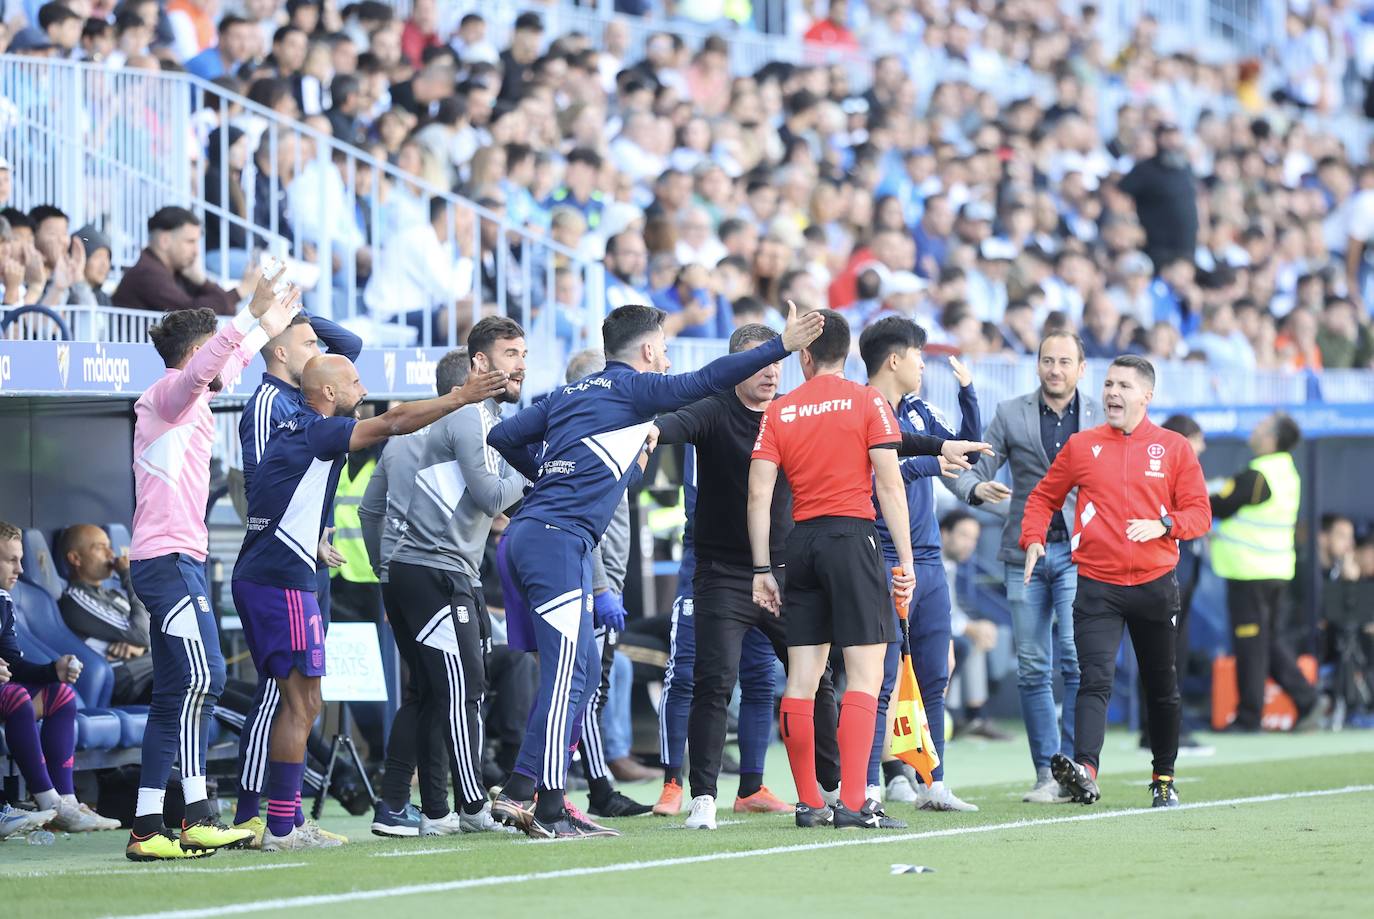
(41, 838)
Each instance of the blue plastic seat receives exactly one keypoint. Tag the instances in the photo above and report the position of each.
(97, 729)
(132, 720)
(39, 569)
(38, 615)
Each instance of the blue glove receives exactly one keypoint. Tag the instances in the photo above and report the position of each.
(609, 611)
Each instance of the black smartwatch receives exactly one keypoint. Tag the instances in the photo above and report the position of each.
(1168, 524)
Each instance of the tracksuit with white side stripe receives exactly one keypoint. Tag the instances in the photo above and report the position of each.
(434, 594)
(593, 431)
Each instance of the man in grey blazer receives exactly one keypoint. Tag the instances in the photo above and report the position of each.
(1028, 432)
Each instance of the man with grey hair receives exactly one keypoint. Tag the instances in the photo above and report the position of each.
(383, 518)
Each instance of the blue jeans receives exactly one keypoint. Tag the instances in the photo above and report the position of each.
(615, 719)
(1035, 608)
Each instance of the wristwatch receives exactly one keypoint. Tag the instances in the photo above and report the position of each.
(1168, 524)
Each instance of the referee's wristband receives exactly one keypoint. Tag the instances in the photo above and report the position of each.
(763, 569)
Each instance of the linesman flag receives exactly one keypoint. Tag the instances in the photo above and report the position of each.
(911, 740)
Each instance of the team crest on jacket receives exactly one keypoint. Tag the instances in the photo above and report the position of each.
(1156, 454)
(462, 613)
(1156, 451)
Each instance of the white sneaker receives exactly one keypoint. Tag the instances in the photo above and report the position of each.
(14, 821)
(70, 818)
(703, 815)
(831, 798)
(941, 798)
(480, 822)
(105, 823)
(900, 790)
(306, 836)
(447, 825)
(1047, 791)
(319, 837)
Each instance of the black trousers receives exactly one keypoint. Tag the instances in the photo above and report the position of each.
(403, 745)
(1261, 651)
(445, 614)
(1150, 612)
(725, 612)
(1185, 605)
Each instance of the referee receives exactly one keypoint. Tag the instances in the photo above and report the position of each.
(1140, 490)
(829, 437)
(723, 428)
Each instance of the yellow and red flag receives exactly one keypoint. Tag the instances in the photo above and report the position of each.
(911, 740)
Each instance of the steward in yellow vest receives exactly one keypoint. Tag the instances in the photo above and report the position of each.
(1252, 548)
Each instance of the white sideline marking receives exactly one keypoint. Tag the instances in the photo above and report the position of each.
(163, 872)
(397, 853)
(235, 909)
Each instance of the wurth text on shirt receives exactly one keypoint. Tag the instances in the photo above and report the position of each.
(790, 413)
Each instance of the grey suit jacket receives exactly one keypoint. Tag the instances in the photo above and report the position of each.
(1015, 435)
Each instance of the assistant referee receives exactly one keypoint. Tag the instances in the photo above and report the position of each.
(829, 436)
(1140, 490)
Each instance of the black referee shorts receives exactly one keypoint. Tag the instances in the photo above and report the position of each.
(837, 589)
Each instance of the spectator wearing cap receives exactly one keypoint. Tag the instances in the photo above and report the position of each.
(32, 41)
(97, 270)
(694, 309)
(236, 42)
(61, 26)
(932, 235)
(1131, 294)
(1165, 195)
(517, 61)
(903, 294)
(580, 176)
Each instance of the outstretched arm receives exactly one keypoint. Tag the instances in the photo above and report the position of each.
(409, 417)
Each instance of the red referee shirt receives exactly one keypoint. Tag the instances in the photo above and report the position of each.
(819, 435)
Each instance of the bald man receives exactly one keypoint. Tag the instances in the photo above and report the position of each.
(111, 620)
(274, 578)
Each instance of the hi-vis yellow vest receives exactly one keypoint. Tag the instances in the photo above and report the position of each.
(348, 529)
(1257, 543)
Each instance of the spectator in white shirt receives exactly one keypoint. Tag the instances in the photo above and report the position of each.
(421, 275)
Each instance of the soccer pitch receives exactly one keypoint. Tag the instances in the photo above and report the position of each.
(1272, 826)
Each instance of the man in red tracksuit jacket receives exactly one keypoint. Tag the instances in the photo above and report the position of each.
(1140, 490)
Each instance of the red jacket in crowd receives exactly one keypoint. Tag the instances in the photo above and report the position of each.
(1147, 474)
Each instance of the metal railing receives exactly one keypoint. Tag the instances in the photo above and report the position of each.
(111, 147)
(106, 146)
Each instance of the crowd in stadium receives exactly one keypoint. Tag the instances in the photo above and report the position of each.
(1001, 183)
(1002, 178)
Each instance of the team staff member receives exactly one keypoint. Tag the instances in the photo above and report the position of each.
(1140, 490)
(383, 518)
(734, 638)
(830, 436)
(1253, 550)
(891, 351)
(1028, 432)
(434, 586)
(593, 434)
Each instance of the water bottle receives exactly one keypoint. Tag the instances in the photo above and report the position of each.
(41, 838)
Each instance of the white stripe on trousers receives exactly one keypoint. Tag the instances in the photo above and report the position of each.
(668, 673)
(255, 755)
(463, 753)
(192, 704)
(593, 744)
(555, 748)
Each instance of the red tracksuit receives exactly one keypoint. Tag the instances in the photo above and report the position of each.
(1146, 475)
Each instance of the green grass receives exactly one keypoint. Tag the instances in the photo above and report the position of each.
(1283, 857)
